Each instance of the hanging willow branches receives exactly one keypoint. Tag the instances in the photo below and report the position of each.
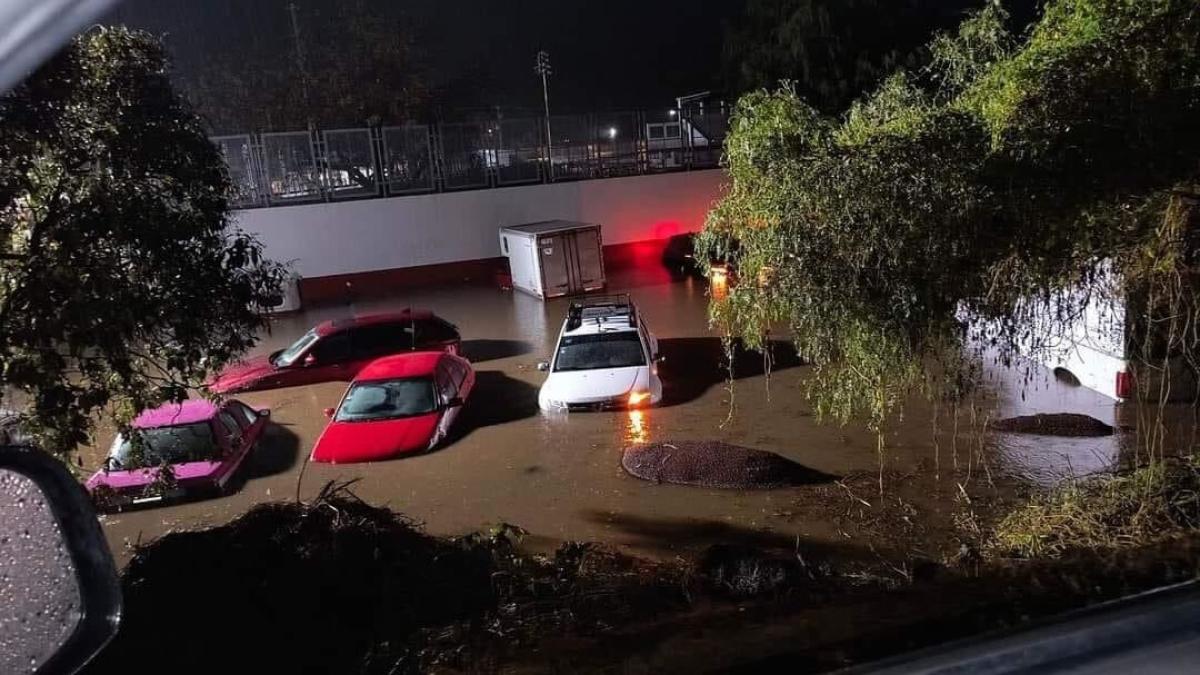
(954, 205)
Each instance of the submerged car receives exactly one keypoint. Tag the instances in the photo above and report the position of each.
(337, 350)
(606, 359)
(201, 443)
(397, 405)
(679, 257)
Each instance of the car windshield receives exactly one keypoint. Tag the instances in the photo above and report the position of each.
(387, 399)
(171, 445)
(602, 350)
(288, 356)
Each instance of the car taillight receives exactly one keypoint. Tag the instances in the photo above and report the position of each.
(1124, 384)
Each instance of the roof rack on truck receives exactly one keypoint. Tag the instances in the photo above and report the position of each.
(601, 309)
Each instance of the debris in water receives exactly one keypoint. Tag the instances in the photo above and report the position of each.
(1056, 424)
(716, 464)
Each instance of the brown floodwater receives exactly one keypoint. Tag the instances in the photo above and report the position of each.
(560, 477)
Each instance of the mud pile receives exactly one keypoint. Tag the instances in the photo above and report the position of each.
(1055, 424)
(338, 585)
(716, 464)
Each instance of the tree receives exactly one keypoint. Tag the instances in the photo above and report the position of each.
(356, 63)
(832, 50)
(949, 207)
(121, 280)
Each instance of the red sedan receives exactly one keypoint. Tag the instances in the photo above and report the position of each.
(337, 350)
(398, 404)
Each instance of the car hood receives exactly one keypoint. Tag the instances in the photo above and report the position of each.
(242, 375)
(185, 473)
(344, 442)
(590, 386)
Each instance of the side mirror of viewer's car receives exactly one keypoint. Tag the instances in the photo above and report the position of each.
(329, 412)
(265, 413)
(63, 600)
(543, 366)
(309, 361)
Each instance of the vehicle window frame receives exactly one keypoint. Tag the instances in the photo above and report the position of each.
(324, 341)
(434, 330)
(444, 382)
(234, 435)
(556, 365)
(458, 372)
(400, 341)
(245, 412)
(383, 382)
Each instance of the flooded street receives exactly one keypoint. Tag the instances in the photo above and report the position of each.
(559, 476)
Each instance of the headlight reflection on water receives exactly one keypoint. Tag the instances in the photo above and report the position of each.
(637, 432)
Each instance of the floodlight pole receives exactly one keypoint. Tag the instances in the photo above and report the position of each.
(299, 56)
(542, 67)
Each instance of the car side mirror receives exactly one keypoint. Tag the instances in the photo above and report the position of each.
(265, 413)
(543, 366)
(57, 575)
(329, 412)
(455, 402)
(309, 361)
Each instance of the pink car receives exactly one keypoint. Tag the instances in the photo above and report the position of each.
(203, 444)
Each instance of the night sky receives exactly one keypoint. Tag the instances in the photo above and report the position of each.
(478, 53)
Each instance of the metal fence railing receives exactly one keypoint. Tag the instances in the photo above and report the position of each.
(271, 169)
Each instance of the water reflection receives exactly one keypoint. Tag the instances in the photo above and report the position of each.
(637, 427)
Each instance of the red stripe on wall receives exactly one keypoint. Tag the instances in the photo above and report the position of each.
(344, 288)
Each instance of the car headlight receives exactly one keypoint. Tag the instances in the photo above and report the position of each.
(638, 398)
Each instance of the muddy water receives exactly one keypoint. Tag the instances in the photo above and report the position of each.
(560, 477)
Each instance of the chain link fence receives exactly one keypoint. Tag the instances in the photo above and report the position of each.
(271, 169)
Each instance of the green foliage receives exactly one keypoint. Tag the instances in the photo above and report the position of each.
(1109, 511)
(1006, 171)
(121, 282)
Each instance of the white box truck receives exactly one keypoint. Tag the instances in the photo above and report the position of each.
(554, 258)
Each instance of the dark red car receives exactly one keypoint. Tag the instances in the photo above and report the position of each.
(398, 404)
(337, 350)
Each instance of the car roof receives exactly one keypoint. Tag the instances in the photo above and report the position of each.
(173, 414)
(601, 314)
(411, 364)
(602, 325)
(336, 325)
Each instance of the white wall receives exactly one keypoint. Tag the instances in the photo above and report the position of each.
(377, 234)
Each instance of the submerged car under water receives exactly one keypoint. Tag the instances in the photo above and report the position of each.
(339, 349)
(397, 405)
(184, 449)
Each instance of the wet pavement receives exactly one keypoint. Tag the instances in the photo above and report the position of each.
(560, 476)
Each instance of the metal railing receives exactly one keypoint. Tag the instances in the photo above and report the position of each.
(279, 168)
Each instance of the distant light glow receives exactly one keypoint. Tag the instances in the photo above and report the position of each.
(672, 112)
(612, 132)
(718, 278)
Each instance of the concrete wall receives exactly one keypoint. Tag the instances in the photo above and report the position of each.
(380, 234)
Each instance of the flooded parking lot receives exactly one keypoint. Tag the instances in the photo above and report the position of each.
(559, 476)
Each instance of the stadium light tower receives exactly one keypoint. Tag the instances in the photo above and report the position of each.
(542, 67)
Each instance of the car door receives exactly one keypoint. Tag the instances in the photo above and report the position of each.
(326, 360)
(251, 421)
(232, 438)
(466, 377)
(447, 390)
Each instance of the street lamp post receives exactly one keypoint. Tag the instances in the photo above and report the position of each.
(542, 67)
